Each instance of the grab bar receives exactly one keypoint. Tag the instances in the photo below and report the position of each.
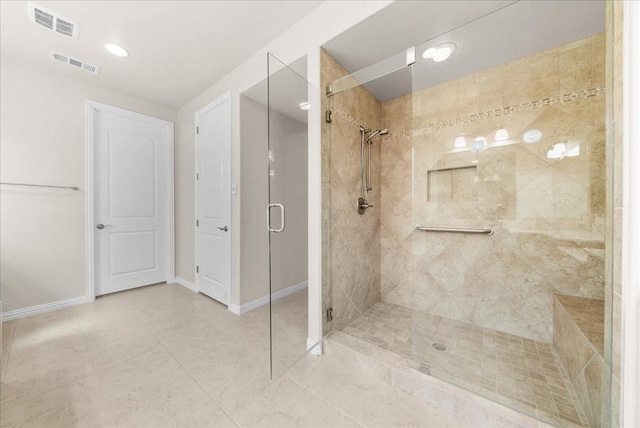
(74, 188)
(488, 231)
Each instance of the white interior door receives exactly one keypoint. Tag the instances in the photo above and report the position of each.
(213, 200)
(133, 191)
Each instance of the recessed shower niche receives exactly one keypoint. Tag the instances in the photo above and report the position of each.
(453, 184)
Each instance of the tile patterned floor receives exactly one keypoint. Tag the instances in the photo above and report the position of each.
(517, 372)
(163, 356)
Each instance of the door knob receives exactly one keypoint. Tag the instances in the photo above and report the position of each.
(103, 226)
(224, 229)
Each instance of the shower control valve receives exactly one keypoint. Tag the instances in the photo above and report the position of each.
(362, 206)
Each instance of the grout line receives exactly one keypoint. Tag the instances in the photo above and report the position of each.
(223, 410)
(325, 401)
(192, 378)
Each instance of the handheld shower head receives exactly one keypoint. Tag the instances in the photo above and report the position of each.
(374, 133)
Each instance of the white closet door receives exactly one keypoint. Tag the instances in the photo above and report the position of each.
(132, 179)
(213, 200)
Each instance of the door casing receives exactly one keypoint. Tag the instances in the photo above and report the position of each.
(94, 107)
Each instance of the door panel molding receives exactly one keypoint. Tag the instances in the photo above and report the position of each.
(93, 108)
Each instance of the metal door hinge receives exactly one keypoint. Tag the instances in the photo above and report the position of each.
(330, 314)
(197, 269)
(197, 129)
(327, 116)
(197, 176)
(197, 223)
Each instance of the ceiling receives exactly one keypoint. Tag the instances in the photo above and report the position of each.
(486, 33)
(177, 48)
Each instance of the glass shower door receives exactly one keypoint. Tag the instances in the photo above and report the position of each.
(509, 211)
(287, 213)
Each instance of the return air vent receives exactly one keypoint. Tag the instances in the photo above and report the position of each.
(50, 20)
(74, 62)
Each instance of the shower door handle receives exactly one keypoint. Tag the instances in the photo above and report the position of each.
(282, 218)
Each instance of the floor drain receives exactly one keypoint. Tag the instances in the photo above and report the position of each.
(439, 346)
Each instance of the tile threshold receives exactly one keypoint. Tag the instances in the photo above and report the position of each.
(398, 365)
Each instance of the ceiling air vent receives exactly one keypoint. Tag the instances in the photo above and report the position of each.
(74, 62)
(50, 20)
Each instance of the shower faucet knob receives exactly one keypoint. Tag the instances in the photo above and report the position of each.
(362, 206)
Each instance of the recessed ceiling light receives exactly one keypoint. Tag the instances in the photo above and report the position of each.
(439, 53)
(116, 50)
(460, 142)
(304, 105)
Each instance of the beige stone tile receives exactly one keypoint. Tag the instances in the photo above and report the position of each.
(615, 403)
(544, 88)
(571, 345)
(172, 323)
(197, 344)
(368, 400)
(8, 329)
(253, 400)
(516, 73)
(543, 65)
(44, 326)
(575, 56)
(204, 413)
(153, 298)
(77, 404)
(576, 79)
(593, 374)
(616, 336)
(492, 79)
(122, 348)
(148, 389)
(25, 379)
(491, 101)
(516, 94)
(227, 361)
(251, 333)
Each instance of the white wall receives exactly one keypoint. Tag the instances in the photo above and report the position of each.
(42, 140)
(305, 38)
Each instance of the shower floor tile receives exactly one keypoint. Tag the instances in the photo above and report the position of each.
(520, 373)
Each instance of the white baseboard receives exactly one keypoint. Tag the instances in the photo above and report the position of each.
(187, 284)
(314, 348)
(249, 306)
(40, 309)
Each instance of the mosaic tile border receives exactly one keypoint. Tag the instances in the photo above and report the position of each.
(531, 105)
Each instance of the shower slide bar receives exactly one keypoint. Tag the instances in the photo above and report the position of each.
(74, 188)
(487, 231)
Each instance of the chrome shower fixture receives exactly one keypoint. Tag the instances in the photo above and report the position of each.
(365, 166)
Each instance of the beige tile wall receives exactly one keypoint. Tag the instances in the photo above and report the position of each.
(584, 364)
(548, 214)
(354, 239)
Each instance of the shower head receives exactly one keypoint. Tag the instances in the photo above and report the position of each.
(374, 133)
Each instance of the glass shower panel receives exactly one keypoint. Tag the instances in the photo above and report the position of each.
(287, 212)
(373, 72)
(508, 209)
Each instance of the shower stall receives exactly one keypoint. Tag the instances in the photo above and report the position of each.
(467, 214)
